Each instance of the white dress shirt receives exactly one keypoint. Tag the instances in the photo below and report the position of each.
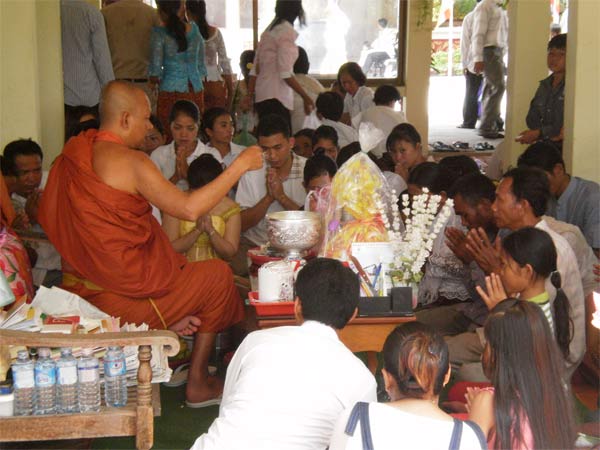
(164, 157)
(234, 152)
(487, 23)
(361, 101)
(566, 263)
(313, 88)
(285, 389)
(346, 135)
(465, 43)
(253, 187)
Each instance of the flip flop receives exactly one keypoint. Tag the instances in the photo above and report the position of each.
(204, 404)
(179, 377)
(460, 145)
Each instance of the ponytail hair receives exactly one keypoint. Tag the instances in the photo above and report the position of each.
(563, 324)
(174, 25)
(535, 247)
(197, 12)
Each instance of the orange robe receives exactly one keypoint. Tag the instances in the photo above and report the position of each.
(117, 255)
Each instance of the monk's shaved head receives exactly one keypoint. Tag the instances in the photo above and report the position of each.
(119, 97)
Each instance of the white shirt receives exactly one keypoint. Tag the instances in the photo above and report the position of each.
(392, 428)
(346, 135)
(383, 118)
(362, 100)
(487, 23)
(465, 43)
(313, 88)
(253, 187)
(164, 157)
(234, 152)
(566, 263)
(285, 389)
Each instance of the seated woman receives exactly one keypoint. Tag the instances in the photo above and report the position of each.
(217, 126)
(214, 235)
(447, 279)
(416, 367)
(358, 97)
(529, 406)
(404, 146)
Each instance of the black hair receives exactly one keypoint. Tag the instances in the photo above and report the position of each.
(532, 185)
(330, 105)
(385, 94)
(417, 358)
(272, 124)
(246, 57)
(354, 71)
(302, 65)
(174, 25)
(185, 107)
(347, 152)
(459, 166)
(197, 10)
(542, 155)
(289, 10)
(305, 132)
(211, 115)
(6, 168)
(20, 147)
(383, 22)
(558, 42)
(318, 165)
(555, 28)
(328, 292)
(474, 188)
(154, 120)
(325, 132)
(79, 127)
(431, 176)
(402, 132)
(535, 247)
(204, 169)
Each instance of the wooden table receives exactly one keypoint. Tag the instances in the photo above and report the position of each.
(362, 334)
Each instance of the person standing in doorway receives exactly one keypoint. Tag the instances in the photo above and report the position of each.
(473, 80)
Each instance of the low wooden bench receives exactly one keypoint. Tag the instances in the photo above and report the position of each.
(134, 419)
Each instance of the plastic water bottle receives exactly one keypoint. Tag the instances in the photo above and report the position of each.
(44, 398)
(88, 376)
(115, 380)
(23, 384)
(66, 383)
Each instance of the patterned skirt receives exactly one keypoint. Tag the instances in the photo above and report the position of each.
(165, 103)
(215, 94)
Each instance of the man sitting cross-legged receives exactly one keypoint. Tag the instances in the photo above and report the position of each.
(286, 386)
(96, 211)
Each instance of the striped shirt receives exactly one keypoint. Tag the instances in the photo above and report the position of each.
(87, 66)
(543, 301)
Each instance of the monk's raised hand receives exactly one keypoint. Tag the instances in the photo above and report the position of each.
(251, 158)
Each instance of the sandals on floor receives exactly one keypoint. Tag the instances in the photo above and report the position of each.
(204, 404)
(439, 146)
(179, 376)
(459, 145)
(483, 146)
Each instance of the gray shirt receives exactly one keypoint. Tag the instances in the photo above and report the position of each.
(87, 66)
(546, 110)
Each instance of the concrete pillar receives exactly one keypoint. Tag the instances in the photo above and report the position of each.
(31, 86)
(418, 60)
(582, 91)
(529, 32)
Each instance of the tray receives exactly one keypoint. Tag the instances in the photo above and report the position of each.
(270, 308)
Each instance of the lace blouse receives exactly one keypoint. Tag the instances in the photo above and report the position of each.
(217, 62)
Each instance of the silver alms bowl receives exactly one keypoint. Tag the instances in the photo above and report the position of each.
(294, 231)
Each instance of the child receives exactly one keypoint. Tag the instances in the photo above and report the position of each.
(155, 137)
(215, 235)
(303, 142)
(529, 406)
(218, 128)
(329, 110)
(318, 173)
(404, 146)
(326, 137)
(528, 259)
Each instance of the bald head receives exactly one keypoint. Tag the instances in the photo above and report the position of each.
(125, 110)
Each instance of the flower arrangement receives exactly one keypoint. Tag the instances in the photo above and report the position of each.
(424, 219)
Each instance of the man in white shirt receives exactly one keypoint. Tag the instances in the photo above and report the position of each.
(277, 186)
(330, 108)
(473, 80)
(487, 51)
(286, 386)
(521, 199)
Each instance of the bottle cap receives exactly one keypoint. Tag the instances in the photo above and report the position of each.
(43, 352)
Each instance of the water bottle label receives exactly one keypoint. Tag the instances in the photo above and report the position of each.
(67, 375)
(88, 374)
(23, 379)
(114, 368)
(45, 376)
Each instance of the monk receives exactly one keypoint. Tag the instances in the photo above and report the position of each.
(96, 211)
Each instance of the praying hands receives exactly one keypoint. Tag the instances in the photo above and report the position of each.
(457, 242)
(486, 255)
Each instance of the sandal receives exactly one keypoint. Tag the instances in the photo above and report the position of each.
(484, 146)
(460, 145)
(441, 147)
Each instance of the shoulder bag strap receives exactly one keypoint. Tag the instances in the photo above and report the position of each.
(360, 413)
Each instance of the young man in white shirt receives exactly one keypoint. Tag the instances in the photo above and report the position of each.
(286, 386)
(277, 186)
(330, 108)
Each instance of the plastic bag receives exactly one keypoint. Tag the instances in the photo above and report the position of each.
(244, 137)
(311, 121)
(359, 208)
(369, 136)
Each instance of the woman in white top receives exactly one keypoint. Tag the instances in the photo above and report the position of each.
(416, 367)
(358, 97)
(218, 84)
